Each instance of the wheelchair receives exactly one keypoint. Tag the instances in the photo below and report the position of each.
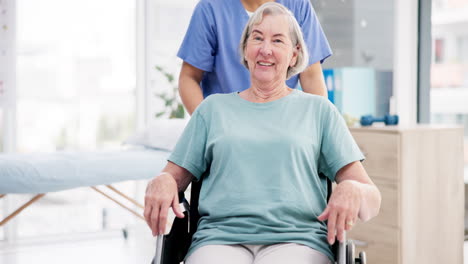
(172, 248)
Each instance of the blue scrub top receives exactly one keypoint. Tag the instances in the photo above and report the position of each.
(212, 42)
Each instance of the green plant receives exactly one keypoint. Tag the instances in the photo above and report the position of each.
(172, 103)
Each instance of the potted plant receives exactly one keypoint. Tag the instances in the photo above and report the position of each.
(172, 102)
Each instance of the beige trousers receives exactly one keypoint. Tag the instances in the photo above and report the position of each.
(257, 254)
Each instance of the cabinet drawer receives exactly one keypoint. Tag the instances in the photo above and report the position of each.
(373, 233)
(379, 253)
(380, 243)
(381, 152)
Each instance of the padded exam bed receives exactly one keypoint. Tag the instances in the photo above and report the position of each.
(40, 173)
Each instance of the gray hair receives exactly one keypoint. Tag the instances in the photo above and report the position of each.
(273, 8)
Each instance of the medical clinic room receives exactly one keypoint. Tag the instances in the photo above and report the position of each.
(233, 131)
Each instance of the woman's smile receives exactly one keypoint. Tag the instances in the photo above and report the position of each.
(265, 63)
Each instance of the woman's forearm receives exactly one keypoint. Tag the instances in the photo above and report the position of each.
(181, 176)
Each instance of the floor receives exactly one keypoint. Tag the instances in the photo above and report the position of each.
(105, 247)
(77, 226)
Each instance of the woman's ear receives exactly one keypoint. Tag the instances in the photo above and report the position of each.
(294, 56)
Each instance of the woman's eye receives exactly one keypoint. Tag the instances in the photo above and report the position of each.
(278, 41)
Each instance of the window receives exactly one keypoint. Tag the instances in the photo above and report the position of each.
(76, 84)
(167, 24)
(462, 47)
(439, 50)
(449, 71)
(76, 74)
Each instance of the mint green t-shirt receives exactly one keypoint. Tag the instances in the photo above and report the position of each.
(264, 159)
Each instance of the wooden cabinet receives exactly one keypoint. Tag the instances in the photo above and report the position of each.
(419, 171)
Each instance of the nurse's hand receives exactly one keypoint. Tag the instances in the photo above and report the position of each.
(161, 193)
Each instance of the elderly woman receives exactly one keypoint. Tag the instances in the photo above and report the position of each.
(262, 199)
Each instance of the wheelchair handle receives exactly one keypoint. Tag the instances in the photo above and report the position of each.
(341, 258)
(160, 238)
(157, 256)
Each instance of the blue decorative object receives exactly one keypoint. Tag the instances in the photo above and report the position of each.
(328, 75)
(352, 90)
(367, 120)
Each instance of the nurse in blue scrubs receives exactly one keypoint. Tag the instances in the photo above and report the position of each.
(211, 56)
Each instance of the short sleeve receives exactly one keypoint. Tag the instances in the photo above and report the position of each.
(189, 151)
(338, 147)
(199, 45)
(314, 37)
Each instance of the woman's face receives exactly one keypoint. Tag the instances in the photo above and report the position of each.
(269, 50)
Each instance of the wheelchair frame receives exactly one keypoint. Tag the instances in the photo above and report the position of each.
(172, 248)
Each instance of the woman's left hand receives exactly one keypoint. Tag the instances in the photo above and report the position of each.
(342, 209)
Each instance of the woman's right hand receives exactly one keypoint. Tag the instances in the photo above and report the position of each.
(161, 193)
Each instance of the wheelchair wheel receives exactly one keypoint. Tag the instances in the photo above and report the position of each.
(350, 252)
(362, 258)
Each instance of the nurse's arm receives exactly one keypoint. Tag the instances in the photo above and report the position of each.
(189, 86)
(312, 80)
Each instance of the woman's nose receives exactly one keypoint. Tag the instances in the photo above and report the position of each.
(266, 48)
